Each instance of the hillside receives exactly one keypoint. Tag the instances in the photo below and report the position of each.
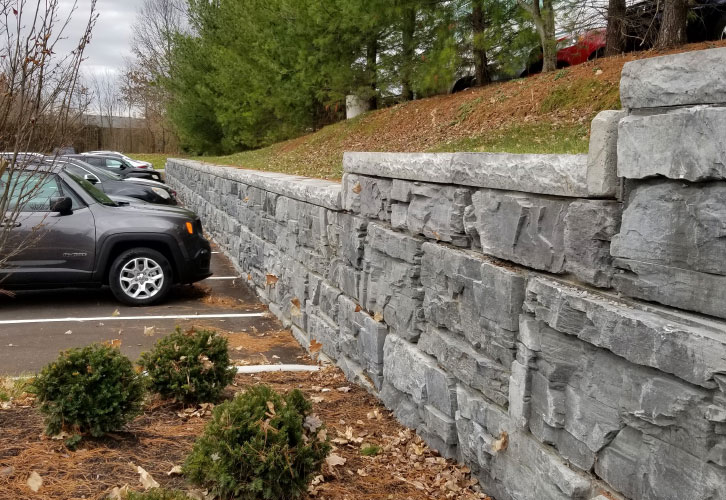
(547, 113)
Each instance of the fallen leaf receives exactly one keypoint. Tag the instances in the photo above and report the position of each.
(362, 473)
(148, 331)
(117, 493)
(34, 481)
(317, 399)
(7, 471)
(115, 343)
(378, 317)
(315, 346)
(312, 423)
(116, 313)
(176, 470)
(271, 279)
(296, 302)
(146, 480)
(68, 332)
(501, 443)
(344, 390)
(334, 460)
(357, 188)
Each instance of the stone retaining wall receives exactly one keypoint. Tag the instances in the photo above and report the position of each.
(556, 322)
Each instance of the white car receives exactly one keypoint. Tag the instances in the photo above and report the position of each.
(135, 163)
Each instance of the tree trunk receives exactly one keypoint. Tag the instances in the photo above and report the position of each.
(408, 52)
(547, 35)
(371, 69)
(481, 71)
(615, 37)
(673, 26)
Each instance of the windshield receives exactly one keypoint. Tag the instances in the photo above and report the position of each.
(102, 174)
(92, 190)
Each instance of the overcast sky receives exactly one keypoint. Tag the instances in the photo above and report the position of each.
(110, 42)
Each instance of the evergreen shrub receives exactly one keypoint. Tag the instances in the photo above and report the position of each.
(90, 390)
(190, 367)
(260, 445)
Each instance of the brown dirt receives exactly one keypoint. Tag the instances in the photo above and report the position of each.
(162, 437)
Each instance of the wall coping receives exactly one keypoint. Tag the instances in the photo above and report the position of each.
(318, 192)
(552, 174)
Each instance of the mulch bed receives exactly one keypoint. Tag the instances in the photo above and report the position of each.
(162, 437)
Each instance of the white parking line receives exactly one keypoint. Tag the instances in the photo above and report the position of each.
(121, 318)
(215, 253)
(224, 278)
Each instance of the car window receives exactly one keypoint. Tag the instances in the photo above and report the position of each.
(76, 201)
(114, 163)
(30, 191)
(94, 161)
(92, 190)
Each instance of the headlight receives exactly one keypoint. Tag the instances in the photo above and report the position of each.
(161, 192)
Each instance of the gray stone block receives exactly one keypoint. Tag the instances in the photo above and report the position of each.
(697, 77)
(561, 175)
(692, 349)
(673, 286)
(526, 229)
(640, 466)
(684, 144)
(437, 212)
(590, 225)
(461, 360)
(440, 424)
(675, 224)
(405, 367)
(405, 409)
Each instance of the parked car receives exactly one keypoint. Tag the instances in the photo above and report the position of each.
(116, 154)
(114, 185)
(118, 166)
(571, 50)
(79, 237)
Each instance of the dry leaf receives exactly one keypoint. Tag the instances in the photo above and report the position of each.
(296, 302)
(146, 480)
(117, 493)
(344, 390)
(334, 460)
(148, 331)
(69, 332)
(357, 188)
(116, 313)
(176, 470)
(115, 343)
(315, 346)
(312, 423)
(378, 317)
(317, 399)
(362, 473)
(501, 443)
(7, 471)
(34, 481)
(271, 279)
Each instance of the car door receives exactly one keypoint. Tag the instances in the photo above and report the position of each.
(46, 247)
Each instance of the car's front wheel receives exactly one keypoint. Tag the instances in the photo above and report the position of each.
(140, 277)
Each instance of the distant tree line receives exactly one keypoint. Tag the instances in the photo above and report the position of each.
(229, 75)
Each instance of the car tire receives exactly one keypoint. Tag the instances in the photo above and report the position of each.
(140, 277)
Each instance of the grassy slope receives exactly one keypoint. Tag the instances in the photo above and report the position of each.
(548, 113)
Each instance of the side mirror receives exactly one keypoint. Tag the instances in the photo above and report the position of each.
(91, 178)
(63, 205)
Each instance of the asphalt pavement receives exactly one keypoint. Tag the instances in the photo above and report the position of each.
(36, 326)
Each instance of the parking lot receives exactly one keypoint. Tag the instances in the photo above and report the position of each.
(36, 326)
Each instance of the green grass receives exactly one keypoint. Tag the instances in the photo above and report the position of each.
(370, 450)
(536, 138)
(582, 93)
(158, 160)
(13, 387)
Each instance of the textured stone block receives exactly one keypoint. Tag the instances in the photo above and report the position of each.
(640, 466)
(561, 175)
(590, 225)
(473, 297)
(684, 144)
(675, 224)
(461, 360)
(697, 77)
(437, 212)
(526, 229)
(689, 348)
(673, 286)
(406, 367)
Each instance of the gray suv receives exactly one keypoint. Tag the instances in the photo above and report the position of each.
(70, 234)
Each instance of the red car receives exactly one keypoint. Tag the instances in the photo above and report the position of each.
(571, 50)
